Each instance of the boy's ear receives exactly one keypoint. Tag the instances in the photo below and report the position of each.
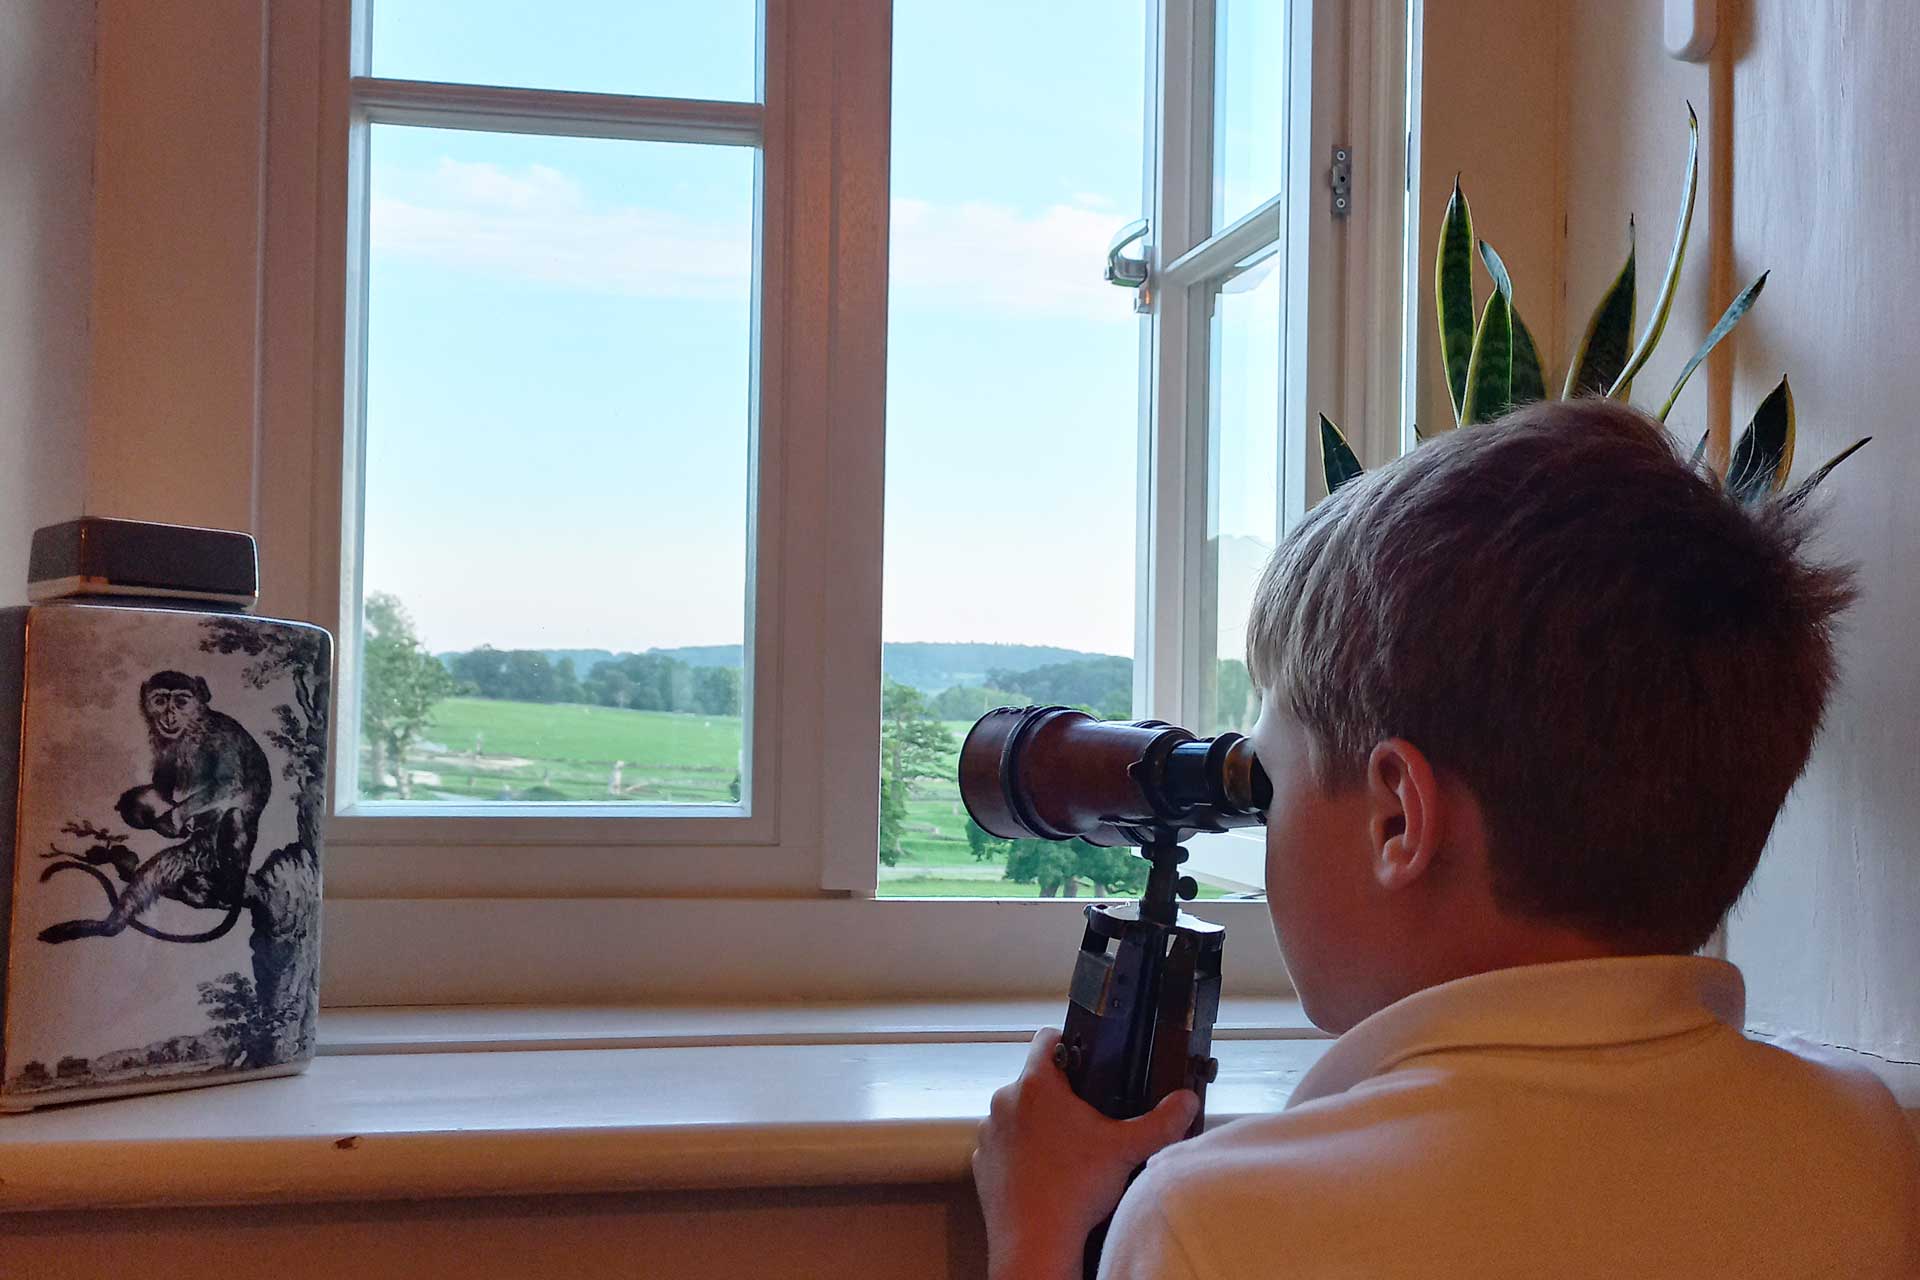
(1403, 813)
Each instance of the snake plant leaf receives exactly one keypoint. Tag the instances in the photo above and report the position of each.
(1739, 307)
(1490, 371)
(1496, 267)
(1602, 353)
(1453, 290)
(1764, 454)
(1804, 490)
(1529, 383)
(1336, 456)
(1699, 451)
(1490, 368)
(1663, 303)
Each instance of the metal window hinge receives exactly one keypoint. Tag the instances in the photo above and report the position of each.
(1341, 179)
(1131, 273)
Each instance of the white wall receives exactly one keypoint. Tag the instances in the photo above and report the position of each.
(1806, 169)
(179, 176)
(1624, 148)
(1825, 102)
(46, 193)
(1490, 76)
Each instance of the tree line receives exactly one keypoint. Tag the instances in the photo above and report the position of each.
(401, 683)
(1100, 686)
(637, 681)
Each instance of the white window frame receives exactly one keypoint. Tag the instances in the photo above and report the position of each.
(465, 909)
(1349, 66)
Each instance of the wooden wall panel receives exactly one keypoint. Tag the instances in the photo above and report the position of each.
(920, 1234)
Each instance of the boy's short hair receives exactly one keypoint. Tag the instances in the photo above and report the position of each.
(1626, 666)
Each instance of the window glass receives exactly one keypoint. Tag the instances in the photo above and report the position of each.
(1243, 509)
(651, 48)
(1250, 99)
(1013, 408)
(556, 469)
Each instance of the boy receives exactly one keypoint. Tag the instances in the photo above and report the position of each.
(1533, 696)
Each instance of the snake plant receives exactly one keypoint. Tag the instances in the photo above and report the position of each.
(1493, 365)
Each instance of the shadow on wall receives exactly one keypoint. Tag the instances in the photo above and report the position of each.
(46, 199)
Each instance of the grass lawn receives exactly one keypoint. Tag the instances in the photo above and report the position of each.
(488, 749)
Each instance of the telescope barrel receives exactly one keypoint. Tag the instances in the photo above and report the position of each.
(1053, 773)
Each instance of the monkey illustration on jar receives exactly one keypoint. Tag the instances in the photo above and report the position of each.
(211, 781)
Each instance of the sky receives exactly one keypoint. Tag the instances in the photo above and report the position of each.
(558, 410)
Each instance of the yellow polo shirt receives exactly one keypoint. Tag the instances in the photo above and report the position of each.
(1599, 1118)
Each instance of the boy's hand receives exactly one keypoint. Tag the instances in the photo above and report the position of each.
(1049, 1167)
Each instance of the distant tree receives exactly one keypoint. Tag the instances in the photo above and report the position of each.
(1048, 863)
(1059, 867)
(914, 744)
(655, 682)
(530, 677)
(402, 685)
(480, 672)
(1109, 871)
(981, 844)
(516, 675)
(680, 686)
(1234, 704)
(608, 685)
(1103, 685)
(893, 816)
(971, 701)
(716, 691)
(566, 683)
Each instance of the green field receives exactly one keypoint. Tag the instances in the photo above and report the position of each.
(483, 749)
(487, 749)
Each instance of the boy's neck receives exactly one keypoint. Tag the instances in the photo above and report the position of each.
(1503, 942)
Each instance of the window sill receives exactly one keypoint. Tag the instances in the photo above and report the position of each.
(413, 1104)
(424, 1103)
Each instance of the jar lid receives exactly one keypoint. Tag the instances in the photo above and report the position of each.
(97, 556)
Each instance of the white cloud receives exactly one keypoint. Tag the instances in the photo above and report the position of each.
(538, 224)
(999, 258)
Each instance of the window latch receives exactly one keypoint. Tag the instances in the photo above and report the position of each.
(1131, 273)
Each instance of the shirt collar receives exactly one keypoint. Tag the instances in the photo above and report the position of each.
(1573, 1004)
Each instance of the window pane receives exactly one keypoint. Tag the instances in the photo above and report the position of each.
(1013, 420)
(651, 48)
(556, 468)
(1250, 103)
(1243, 507)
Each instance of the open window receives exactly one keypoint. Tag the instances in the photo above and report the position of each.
(1083, 480)
(689, 374)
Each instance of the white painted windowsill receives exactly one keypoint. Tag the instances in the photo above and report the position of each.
(424, 1103)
